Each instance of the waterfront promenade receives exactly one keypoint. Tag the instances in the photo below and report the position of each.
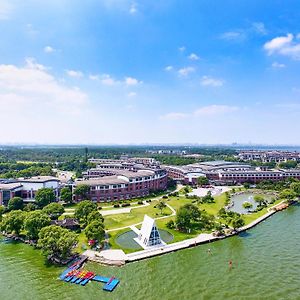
(118, 257)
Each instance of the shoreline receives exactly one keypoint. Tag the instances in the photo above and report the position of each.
(203, 238)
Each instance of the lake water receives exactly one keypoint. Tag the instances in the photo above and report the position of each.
(266, 265)
(239, 199)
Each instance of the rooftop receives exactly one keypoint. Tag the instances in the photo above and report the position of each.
(38, 179)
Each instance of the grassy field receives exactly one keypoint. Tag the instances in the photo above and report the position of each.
(135, 216)
(248, 218)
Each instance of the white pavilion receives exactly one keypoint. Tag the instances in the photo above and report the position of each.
(149, 235)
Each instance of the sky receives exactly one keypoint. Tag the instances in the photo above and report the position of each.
(144, 71)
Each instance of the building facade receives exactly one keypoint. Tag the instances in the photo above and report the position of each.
(26, 188)
(120, 181)
(229, 173)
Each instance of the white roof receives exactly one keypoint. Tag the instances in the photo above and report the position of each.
(147, 226)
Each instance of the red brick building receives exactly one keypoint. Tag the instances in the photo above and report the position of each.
(107, 185)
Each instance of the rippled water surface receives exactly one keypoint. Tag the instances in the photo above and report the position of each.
(266, 265)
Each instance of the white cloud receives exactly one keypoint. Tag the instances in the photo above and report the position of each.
(210, 81)
(49, 49)
(94, 77)
(169, 68)
(32, 89)
(284, 45)
(131, 94)
(32, 64)
(204, 111)
(74, 74)
(215, 110)
(5, 10)
(173, 116)
(260, 28)
(186, 71)
(193, 56)
(133, 10)
(106, 79)
(277, 65)
(131, 81)
(233, 35)
(181, 49)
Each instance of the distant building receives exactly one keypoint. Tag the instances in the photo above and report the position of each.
(269, 156)
(221, 172)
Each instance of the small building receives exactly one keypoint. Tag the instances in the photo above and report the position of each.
(68, 223)
(9, 190)
(149, 235)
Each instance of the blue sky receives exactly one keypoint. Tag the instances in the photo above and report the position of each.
(121, 71)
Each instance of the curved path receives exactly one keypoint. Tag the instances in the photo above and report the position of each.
(159, 218)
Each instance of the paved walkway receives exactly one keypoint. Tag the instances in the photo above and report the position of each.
(158, 250)
(216, 190)
(125, 210)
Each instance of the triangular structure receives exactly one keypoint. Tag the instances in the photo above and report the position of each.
(149, 235)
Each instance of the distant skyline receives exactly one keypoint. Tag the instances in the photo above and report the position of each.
(150, 72)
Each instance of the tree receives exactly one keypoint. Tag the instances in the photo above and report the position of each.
(288, 194)
(208, 198)
(237, 222)
(54, 210)
(186, 215)
(161, 205)
(44, 196)
(94, 216)
(95, 231)
(259, 199)
(34, 222)
(202, 180)
(247, 205)
(15, 203)
(186, 189)
(30, 207)
(290, 164)
(13, 222)
(170, 224)
(82, 191)
(295, 187)
(66, 195)
(2, 210)
(247, 185)
(57, 242)
(83, 209)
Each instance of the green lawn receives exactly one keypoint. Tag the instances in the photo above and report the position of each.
(82, 243)
(253, 216)
(135, 216)
(211, 208)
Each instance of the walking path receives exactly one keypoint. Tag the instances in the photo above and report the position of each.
(125, 210)
(159, 250)
(159, 218)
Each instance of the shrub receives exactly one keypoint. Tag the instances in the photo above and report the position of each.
(125, 204)
(170, 224)
(140, 202)
(116, 205)
(165, 197)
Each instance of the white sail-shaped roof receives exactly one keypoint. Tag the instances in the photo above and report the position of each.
(149, 235)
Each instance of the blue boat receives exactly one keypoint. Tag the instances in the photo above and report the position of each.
(110, 286)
